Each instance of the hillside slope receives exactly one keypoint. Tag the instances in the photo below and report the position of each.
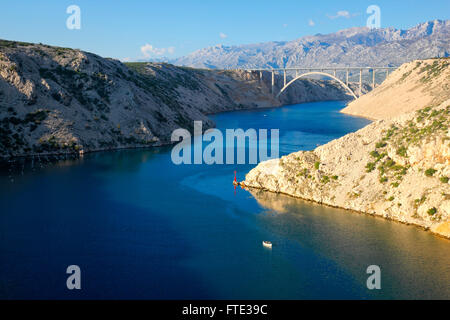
(358, 46)
(398, 169)
(409, 88)
(56, 100)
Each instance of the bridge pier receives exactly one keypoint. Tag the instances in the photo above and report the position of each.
(360, 82)
(273, 82)
(346, 81)
(373, 79)
(284, 78)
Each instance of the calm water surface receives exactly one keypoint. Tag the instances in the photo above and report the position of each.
(142, 228)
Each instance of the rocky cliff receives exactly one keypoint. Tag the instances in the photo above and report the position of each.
(411, 87)
(56, 99)
(397, 168)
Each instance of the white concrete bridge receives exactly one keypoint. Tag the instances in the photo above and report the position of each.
(333, 73)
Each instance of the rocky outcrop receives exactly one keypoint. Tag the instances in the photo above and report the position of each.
(55, 100)
(398, 169)
(411, 87)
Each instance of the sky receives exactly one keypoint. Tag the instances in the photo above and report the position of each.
(149, 29)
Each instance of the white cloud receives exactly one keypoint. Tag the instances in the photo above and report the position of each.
(311, 23)
(127, 59)
(222, 35)
(341, 14)
(148, 50)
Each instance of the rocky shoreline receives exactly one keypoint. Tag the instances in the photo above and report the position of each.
(415, 192)
(259, 193)
(397, 169)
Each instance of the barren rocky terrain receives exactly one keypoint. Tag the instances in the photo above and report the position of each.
(55, 100)
(359, 46)
(411, 87)
(396, 168)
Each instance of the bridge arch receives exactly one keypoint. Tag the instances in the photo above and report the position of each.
(321, 74)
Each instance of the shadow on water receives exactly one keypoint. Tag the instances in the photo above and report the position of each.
(141, 227)
(59, 216)
(415, 264)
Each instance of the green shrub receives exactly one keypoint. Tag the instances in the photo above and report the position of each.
(395, 184)
(432, 211)
(390, 133)
(303, 173)
(434, 113)
(430, 172)
(374, 154)
(378, 156)
(325, 179)
(402, 151)
(334, 177)
(390, 163)
(383, 179)
(317, 165)
(417, 202)
(381, 144)
(36, 116)
(391, 198)
(370, 167)
(444, 179)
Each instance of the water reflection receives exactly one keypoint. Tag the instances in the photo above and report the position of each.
(143, 227)
(356, 241)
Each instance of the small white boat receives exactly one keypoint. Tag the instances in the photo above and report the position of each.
(267, 244)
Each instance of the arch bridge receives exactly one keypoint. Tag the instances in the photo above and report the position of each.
(332, 73)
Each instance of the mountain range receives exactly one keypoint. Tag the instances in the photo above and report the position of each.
(358, 46)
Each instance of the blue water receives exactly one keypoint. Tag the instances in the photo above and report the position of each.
(140, 227)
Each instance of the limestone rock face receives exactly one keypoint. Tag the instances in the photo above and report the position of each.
(411, 87)
(63, 100)
(398, 169)
(359, 46)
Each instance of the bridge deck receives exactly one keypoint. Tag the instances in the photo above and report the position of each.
(320, 68)
(331, 72)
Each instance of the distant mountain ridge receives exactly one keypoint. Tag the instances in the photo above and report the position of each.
(350, 47)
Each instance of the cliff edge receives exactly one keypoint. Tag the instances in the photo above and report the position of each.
(409, 88)
(397, 168)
